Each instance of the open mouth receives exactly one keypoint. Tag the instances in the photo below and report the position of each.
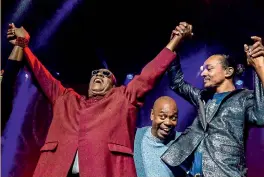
(98, 80)
(165, 131)
(206, 79)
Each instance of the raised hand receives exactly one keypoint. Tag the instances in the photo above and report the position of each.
(183, 29)
(13, 32)
(255, 53)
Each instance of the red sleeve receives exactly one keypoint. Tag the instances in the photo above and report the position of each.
(150, 74)
(50, 86)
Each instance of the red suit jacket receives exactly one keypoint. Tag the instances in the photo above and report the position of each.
(102, 130)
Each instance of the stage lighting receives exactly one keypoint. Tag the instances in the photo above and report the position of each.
(130, 76)
(239, 82)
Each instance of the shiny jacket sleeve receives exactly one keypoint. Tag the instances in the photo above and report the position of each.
(179, 86)
(50, 86)
(255, 104)
(150, 74)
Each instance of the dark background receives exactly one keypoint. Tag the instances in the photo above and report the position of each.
(128, 34)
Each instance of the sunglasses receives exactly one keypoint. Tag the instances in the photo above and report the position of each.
(104, 72)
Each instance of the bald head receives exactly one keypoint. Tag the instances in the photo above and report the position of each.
(164, 116)
(164, 100)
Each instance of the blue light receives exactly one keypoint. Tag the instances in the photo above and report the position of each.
(239, 82)
(130, 76)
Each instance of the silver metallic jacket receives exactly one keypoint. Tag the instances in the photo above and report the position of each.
(220, 133)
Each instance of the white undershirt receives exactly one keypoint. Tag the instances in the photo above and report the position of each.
(75, 168)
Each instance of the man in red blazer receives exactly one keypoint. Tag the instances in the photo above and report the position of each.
(94, 135)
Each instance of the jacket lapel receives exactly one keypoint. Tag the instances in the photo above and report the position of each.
(222, 101)
(201, 114)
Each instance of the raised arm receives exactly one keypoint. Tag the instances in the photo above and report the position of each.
(255, 104)
(255, 55)
(152, 72)
(177, 83)
(181, 87)
(50, 86)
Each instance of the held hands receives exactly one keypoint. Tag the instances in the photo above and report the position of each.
(255, 53)
(14, 32)
(183, 30)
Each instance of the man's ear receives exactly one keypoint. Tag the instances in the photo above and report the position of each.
(152, 115)
(229, 71)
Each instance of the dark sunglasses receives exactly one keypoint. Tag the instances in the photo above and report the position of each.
(105, 73)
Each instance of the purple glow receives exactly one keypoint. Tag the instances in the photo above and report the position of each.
(52, 25)
(20, 10)
(13, 128)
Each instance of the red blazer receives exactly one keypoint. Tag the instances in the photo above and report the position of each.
(102, 130)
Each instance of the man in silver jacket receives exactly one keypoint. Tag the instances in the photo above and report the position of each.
(223, 113)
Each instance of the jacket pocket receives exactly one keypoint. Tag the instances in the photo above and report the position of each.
(49, 146)
(117, 148)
